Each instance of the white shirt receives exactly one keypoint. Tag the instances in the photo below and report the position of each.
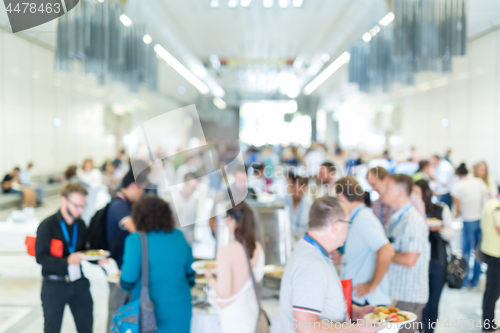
(471, 192)
(444, 174)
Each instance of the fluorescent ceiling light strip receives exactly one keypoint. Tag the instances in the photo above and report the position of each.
(245, 3)
(179, 68)
(283, 3)
(219, 102)
(323, 76)
(125, 20)
(386, 20)
(297, 3)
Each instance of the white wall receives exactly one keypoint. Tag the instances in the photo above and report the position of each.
(32, 95)
(469, 98)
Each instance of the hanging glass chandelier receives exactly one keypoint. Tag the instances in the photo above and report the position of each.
(424, 36)
(105, 41)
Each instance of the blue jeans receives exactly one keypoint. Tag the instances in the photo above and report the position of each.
(436, 284)
(446, 198)
(471, 233)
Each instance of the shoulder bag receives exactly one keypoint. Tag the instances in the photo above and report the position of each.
(138, 316)
(263, 323)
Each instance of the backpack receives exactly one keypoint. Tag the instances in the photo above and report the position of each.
(96, 234)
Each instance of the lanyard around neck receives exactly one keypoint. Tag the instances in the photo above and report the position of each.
(393, 225)
(72, 247)
(357, 212)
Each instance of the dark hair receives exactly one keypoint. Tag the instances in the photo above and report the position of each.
(426, 196)
(350, 188)
(436, 156)
(70, 172)
(151, 213)
(190, 176)
(257, 166)
(330, 166)
(17, 169)
(379, 172)
(422, 165)
(404, 181)
(73, 187)
(128, 179)
(324, 210)
(367, 199)
(245, 226)
(294, 179)
(462, 170)
(30, 164)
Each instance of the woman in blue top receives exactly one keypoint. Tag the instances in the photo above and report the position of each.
(170, 259)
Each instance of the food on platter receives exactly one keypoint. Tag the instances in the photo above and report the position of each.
(390, 314)
(92, 255)
(202, 265)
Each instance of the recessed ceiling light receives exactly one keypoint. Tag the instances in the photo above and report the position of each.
(283, 3)
(367, 37)
(245, 3)
(386, 20)
(232, 3)
(147, 39)
(214, 3)
(268, 3)
(297, 3)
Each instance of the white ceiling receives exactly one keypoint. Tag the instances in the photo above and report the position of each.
(262, 37)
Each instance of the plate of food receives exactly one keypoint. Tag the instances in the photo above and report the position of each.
(391, 315)
(201, 266)
(434, 222)
(93, 255)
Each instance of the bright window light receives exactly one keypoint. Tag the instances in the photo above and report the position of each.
(147, 39)
(125, 20)
(323, 76)
(245, 3)
(387, 19)
(367, 37)
(219, 102)
(232, 3)
(297, 3)
(179, 68)
(283, 3)
(214, 3)
(268, 3)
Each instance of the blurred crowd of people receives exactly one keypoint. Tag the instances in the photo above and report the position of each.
(383, 225)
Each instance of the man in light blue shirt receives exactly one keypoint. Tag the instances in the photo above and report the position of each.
(367, 253)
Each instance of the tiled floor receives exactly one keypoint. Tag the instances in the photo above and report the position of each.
(20, 309)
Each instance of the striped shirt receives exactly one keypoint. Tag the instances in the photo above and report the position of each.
(384, 212)
(407, 231)
(310, 284)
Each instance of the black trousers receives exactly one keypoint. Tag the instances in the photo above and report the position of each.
(437, 279)
(55, 296)
(491, 293)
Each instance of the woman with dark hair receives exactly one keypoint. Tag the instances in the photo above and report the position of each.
(232, 291)
(170, 274)
(468, 196)
(423, 172)
(441, 232)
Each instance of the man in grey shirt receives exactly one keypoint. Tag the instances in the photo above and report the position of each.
(311, 296)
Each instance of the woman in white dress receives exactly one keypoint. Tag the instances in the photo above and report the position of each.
(232, 292)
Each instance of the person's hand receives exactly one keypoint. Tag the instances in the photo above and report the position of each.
(103, 261)
(361, 290)
(359, 312)
(438, 229)
(129, 225)
(208, 275)
(73, 259)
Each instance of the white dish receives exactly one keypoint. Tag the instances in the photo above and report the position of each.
(434, 224)
(100, 254)
(199, 266)
(390, 326)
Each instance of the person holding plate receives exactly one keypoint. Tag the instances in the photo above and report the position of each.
(59, 237)
(441, 232)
